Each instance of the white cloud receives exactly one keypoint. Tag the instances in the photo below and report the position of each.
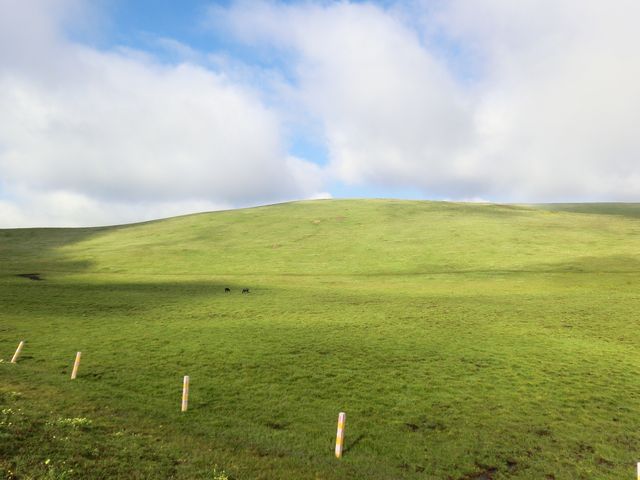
(54, 208)
(389, 108)
(549, 113)
(560, 94)
(83, 129)
(535, 100)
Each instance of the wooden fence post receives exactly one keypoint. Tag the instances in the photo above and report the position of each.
(340, 435)
(76, 364)
(17, 354)
(185, 393)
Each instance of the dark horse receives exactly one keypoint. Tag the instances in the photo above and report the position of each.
(245, 290)
(227, 290)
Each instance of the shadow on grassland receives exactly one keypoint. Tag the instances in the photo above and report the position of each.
(457, 209)
(628, 210)
(600, 264)
(40, 250)
(108, 298)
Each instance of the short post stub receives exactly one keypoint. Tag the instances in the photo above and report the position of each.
(76, 364)
(14, 359)
(340, 435)
(185, 393)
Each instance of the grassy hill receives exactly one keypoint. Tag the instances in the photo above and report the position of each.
(464, 341)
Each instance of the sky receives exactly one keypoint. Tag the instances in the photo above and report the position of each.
(116, 111)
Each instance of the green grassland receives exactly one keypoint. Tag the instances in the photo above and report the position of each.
(464, 342)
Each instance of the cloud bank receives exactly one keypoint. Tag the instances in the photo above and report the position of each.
(528, 101)
(89, 136)
(512, 101)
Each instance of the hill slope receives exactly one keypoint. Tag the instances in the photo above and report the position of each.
(344, 237)
(464, 341)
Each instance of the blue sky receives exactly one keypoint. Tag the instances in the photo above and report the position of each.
(116, 111)
(130, 22)
(140, 24)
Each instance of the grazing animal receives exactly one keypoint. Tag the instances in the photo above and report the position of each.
(245, 290)
(227, 290)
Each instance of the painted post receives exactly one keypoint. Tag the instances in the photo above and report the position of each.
(76, 364)
(14, 359)
(185, 393)
(638, 470)
(340, 435)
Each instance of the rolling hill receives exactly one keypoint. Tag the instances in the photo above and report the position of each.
(464, 341)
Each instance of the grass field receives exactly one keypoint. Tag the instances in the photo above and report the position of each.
(464, 342)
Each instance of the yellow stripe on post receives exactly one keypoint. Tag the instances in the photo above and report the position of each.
(185, 393)
(76, 364)
(340, 435)
(14, 359)
(638, 470)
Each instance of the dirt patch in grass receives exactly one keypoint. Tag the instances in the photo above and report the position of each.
(277, 425)
(604, 462)
(426, 425)
(30, 276)
(485, 473)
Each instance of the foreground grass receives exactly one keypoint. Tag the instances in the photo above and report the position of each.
(463, 341)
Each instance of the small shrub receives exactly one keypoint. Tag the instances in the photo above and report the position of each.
(219, 474)
(78, 422)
